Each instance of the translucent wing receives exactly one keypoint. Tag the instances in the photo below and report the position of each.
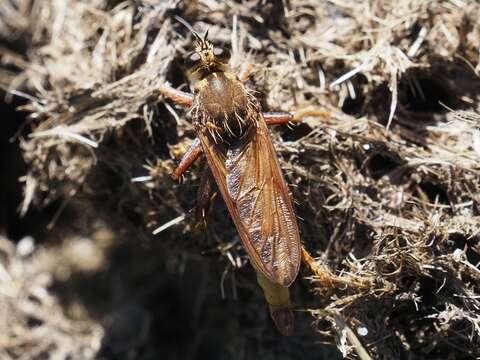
(249, 177)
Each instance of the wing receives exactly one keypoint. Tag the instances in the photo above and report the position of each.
(249, 177)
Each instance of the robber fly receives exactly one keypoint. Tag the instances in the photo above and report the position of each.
(231, 131)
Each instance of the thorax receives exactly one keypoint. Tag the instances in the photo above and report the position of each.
(223, 104)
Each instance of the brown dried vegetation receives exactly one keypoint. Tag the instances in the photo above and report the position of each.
(387, 182)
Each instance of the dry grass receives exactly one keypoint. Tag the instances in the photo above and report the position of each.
(387, 184)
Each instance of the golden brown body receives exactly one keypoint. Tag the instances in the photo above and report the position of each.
(232, 134)
(241, 157)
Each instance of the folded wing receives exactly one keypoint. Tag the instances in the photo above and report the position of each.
(249, 177)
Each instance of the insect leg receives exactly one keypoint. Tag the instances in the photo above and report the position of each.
(188, 159)
(204, 194)
(245, 72)
(283, 118)
(325, 277)
(178, 96)
(278, 118)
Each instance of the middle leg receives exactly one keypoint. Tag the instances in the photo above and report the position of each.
(283, 117)
(278, 118)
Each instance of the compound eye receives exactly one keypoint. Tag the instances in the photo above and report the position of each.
(221, 53)
(192, 60)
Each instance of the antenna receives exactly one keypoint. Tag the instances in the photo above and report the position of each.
(189, 27)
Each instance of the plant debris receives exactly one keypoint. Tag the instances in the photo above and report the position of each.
(386, 183)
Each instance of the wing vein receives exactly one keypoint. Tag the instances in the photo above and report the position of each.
(250, 180)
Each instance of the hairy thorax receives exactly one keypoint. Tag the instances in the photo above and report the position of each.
(223, 106)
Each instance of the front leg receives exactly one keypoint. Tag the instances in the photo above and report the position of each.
(178, 96)
(188, 159)
(245, 72)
